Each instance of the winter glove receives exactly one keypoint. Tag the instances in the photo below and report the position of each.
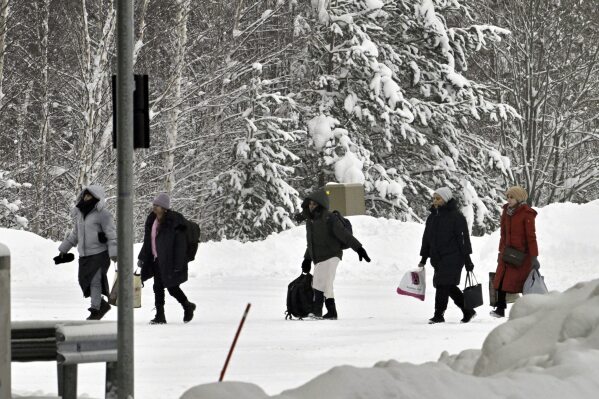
(469, 264)
(422, 261)
(140, 263)
(535, 263)
(113, 258)
(102, 237)
(63, 258)
(306, 265)
(299, 217)
(362, 254)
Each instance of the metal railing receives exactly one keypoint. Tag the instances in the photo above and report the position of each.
(69, 343)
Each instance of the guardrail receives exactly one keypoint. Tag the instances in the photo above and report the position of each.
(69, 343)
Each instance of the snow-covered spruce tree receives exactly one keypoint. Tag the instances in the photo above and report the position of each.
(252, 197)
(10, 203)
(389, 78)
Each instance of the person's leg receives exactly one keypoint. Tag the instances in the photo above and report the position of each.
(158, 287)
(441, 300)
(324, 279)
(458, 298)
(501, 303)
(188, 307)
(96, 290)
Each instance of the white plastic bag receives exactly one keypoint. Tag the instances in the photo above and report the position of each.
(534, 284)
(413, 283)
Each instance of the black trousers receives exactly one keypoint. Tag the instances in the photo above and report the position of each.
(442, 295)
(501, 297)
(176, 291)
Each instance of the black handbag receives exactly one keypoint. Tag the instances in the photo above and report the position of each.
(473, 293)
(513, 257)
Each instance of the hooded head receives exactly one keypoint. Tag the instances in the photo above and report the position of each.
(445, 193)
(318, 196)
(518, 193)
(98, 202)
(162, 200)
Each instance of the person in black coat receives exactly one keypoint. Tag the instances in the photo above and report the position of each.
(446, 242)
(164, 257)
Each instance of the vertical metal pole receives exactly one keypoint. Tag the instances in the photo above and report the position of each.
(67, 381)
(125, 89)
(5, 356)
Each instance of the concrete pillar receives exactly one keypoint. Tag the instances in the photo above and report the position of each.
(5, 357)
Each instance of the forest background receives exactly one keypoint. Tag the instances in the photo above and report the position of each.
(255, 103)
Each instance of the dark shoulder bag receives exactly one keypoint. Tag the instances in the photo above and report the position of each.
(512, 256)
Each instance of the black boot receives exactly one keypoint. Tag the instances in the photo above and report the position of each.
(468, 315)
(331, 309)
(317, 304)
(437, 318)
(498, 312)
(159, 318)
(93, 314)
(104, 308)
(188, 309)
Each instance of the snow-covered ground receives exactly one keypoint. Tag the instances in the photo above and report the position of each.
(381, 347)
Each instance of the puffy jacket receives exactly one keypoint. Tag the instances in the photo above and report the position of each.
(85, 231)
(517, 231)
(324, 233)
(446, 241)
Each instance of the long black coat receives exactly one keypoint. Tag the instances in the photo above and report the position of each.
(446, 242)
(171, 245)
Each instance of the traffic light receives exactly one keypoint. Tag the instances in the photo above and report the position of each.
(141, 112)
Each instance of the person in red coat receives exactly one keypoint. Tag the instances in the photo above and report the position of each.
(518, 232)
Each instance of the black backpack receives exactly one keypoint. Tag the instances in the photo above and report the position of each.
(346, 224)
(192, 234)
(299, 297)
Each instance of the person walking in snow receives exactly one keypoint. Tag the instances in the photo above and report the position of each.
(163, 256)
(94, 234)
(446, 241)
(517, 232)
(324, 233)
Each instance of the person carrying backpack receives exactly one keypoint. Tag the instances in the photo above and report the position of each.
(326, 235)
(164, 256)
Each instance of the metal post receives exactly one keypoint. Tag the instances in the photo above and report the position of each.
(67, 381)
(125, 89)
(5, 356)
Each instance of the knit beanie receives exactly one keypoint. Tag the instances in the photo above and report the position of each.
(518, 193)
(162, 200)
(445, 193)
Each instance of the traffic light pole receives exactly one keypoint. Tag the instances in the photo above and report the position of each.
(124, 26)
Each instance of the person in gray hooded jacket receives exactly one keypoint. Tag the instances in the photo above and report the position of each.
(94, 234)
(324, 234)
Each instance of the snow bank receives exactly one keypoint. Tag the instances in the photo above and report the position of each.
(548, 349)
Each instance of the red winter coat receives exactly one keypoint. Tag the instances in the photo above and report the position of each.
(517, 231)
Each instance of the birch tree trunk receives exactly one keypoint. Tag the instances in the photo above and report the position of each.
(3, 33)
(172, 128)
(95, 64)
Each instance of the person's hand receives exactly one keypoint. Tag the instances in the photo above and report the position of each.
(469, 265)
(306, 265)
(362, 254)
(63, 258)
(113, 258)
(140, 263)
(535, 263)
(421, 264)
(299, 217)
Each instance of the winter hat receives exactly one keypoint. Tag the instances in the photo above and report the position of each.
(445, 193)
(518, 193)
(162, 200)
